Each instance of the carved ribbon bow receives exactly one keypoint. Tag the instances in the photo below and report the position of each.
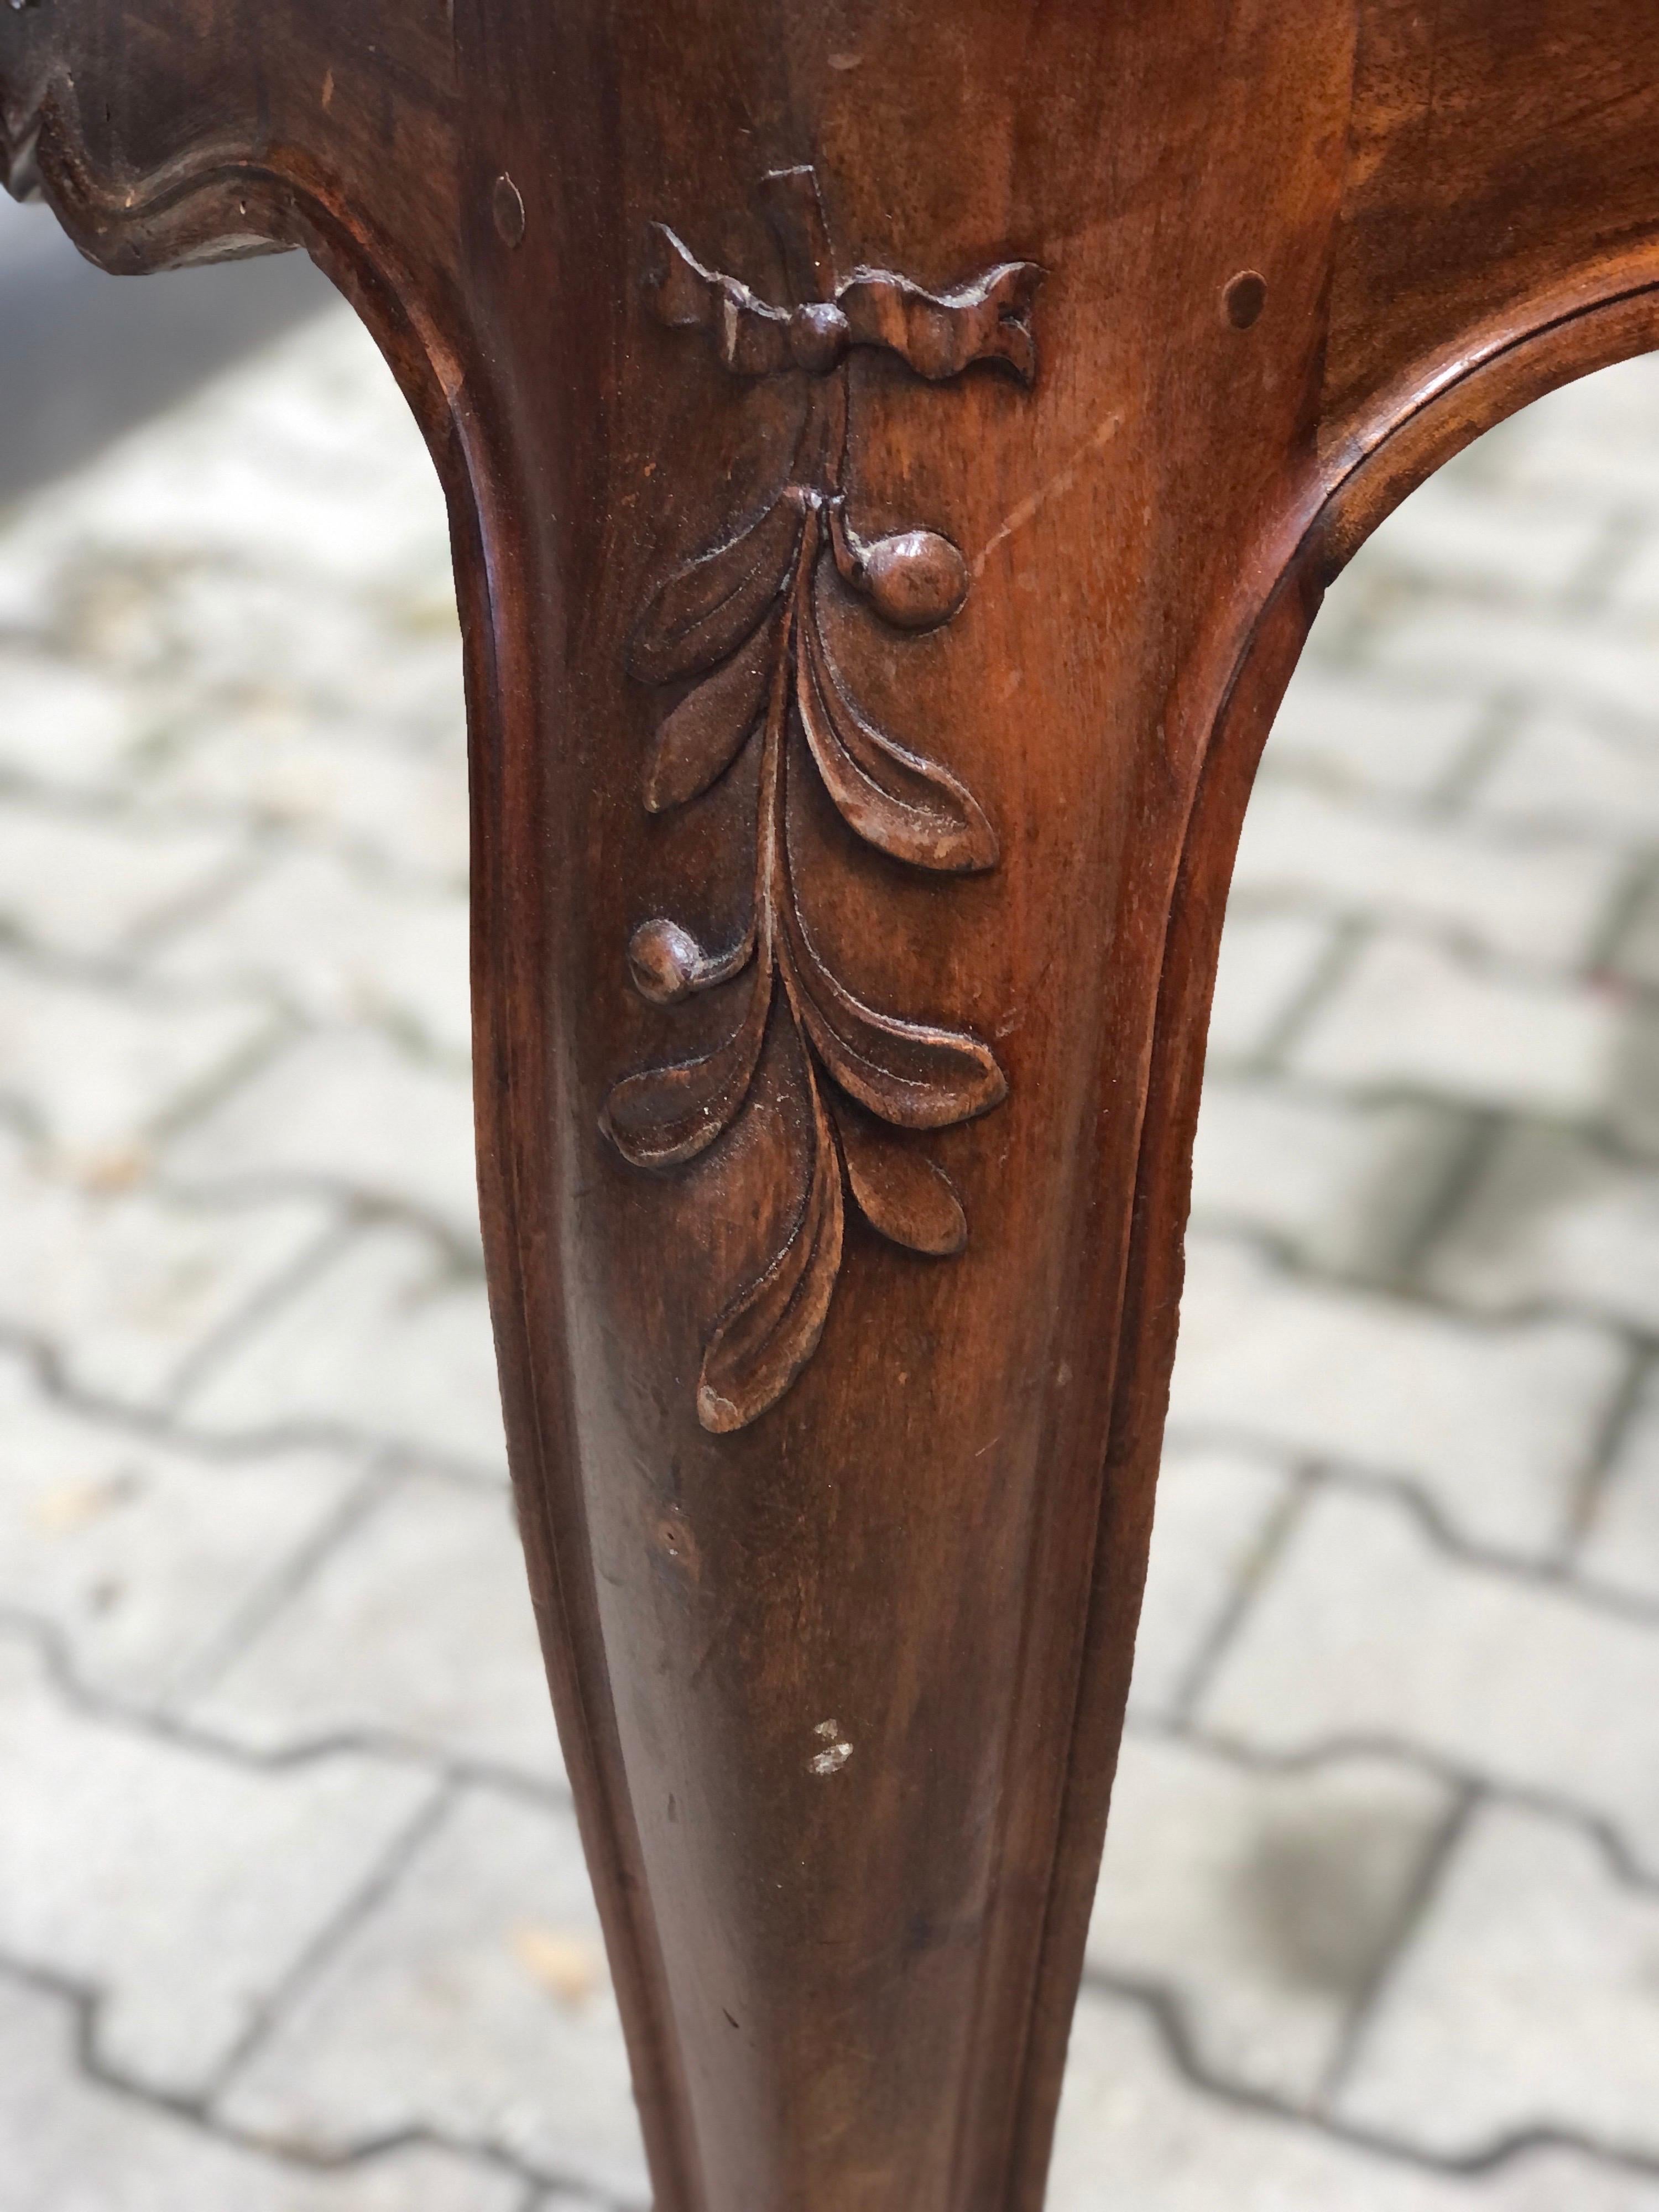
(938, 334)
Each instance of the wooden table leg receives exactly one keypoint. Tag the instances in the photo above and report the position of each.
(895, 455)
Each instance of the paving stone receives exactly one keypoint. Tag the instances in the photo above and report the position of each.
(1552, 1220)
(1590, 442)
(1346, 1187)
(1453, 536)
(1495, 1425)
(205, 636)
(295, 657)
(1269, 963)
(1526, 2003)
(350, 1111)
(1621, 1545)
(1263, 1904)
(1631, 1114)
(473, 2000)
(336, 946)
(1215, 1509)
(1522, 653)
(322, 484)
(126, 1283)
(1413, 1016)
(1635, 591)
(276, 763)
(183, 1889)
(1564, 771)
(1369, 1633)
(63, 726)
(1351, 735)
(1536, 899)
(95, 1071)
(380, 668)
(1134, 2134)
(1636, 955)
(72, 2145)
(83, 884)
(390, 1340)
(141, 1553)
(417, 1626)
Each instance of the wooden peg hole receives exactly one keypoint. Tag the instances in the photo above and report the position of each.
(506, 203)
(1244, 299)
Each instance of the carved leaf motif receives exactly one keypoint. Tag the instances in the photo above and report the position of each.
(743, 623)
(901, 1194)
(705, 733)
(769, 1334)
(705, 611)
(910, 808)
(666, 1116)
(915, 1077)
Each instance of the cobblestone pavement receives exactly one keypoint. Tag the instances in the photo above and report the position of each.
(292, 1912)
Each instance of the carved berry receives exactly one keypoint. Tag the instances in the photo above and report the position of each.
(915, 580)
(665, 960)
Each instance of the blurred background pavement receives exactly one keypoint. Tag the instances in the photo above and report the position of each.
(84, 356)
(291, 1911)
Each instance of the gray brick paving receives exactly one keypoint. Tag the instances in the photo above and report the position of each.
(1344, 1187)
(1620, 1543)
(1136, 2131)
(1265, 1902)
(388, 1337)
(1524, 2002)
(126, 1280)
(1219, 1513)
(1372, 1630)
(147, 1556)
(412, 1628)
(350, 1112)
(71, 2140)
(292, 1911)
(489, 1929)
(1495, 1425)
(181, 1887)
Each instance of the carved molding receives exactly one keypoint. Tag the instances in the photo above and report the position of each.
(743, 625)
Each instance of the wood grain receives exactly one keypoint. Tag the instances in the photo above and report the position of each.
(923, 791)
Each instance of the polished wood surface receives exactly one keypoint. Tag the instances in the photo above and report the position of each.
(894, 457)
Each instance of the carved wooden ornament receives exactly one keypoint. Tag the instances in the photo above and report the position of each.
(743, 624)
(841, 1692)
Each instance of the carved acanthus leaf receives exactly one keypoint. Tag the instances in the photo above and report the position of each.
(908, 1073)
(761, 1344)
(699, 741)
(900, 1192)
(908, 807)
(667, 1116)
(706, 611)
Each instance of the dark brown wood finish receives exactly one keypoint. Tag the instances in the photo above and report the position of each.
(1053, 354)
